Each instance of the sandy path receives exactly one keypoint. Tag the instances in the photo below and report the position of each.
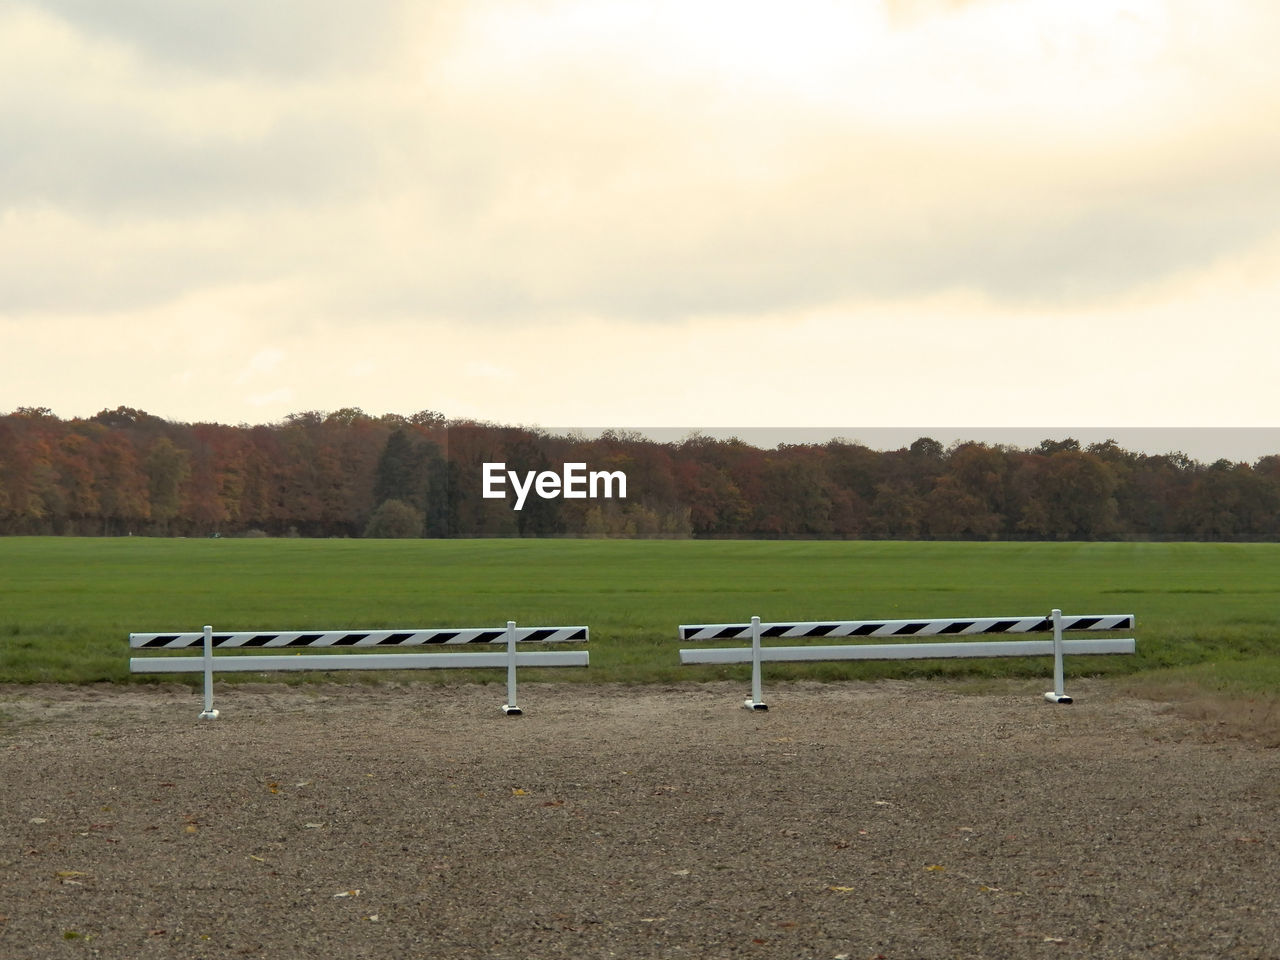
(903, 820)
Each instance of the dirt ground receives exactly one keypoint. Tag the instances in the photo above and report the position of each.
(894, 820)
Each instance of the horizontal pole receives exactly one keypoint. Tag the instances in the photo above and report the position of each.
(357, 661)
(438, 636)
(951, 626)
(908, 651)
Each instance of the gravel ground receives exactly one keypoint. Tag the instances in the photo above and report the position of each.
(894, 820)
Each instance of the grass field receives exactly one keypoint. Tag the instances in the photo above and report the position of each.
(1208, 614)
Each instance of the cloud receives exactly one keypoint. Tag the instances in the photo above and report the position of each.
(285, 37)
(503, 162)
(279, 399)
(1023, 151)
(1199, 351)
(113, 134)
(262, 364)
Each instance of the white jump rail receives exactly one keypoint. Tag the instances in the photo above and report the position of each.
(209, 641)
(755, 631)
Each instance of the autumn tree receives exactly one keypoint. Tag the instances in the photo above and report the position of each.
(76, 469)
(950, 512)
(123, 487)
(1066, 495)
(320, 474)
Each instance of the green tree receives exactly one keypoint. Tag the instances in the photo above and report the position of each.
(395, 520)
(167, 468)
(399, 473)
(441, 479)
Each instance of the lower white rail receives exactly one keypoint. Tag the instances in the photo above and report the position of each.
(906, 651)
(358, 661)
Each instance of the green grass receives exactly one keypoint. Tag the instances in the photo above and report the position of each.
(1207, 613)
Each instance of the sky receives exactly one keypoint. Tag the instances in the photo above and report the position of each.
(695, 213)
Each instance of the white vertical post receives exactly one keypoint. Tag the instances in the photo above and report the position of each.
(757, 700)
(511, 708)
(208, 713)
(1057, 695)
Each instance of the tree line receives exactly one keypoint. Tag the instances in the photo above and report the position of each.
(350, 474)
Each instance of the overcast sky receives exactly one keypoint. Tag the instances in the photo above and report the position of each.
(1015, 213)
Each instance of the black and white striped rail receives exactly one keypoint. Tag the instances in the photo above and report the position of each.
(1054, 623)
(340, 640)
(905, 628)
(253, 639)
